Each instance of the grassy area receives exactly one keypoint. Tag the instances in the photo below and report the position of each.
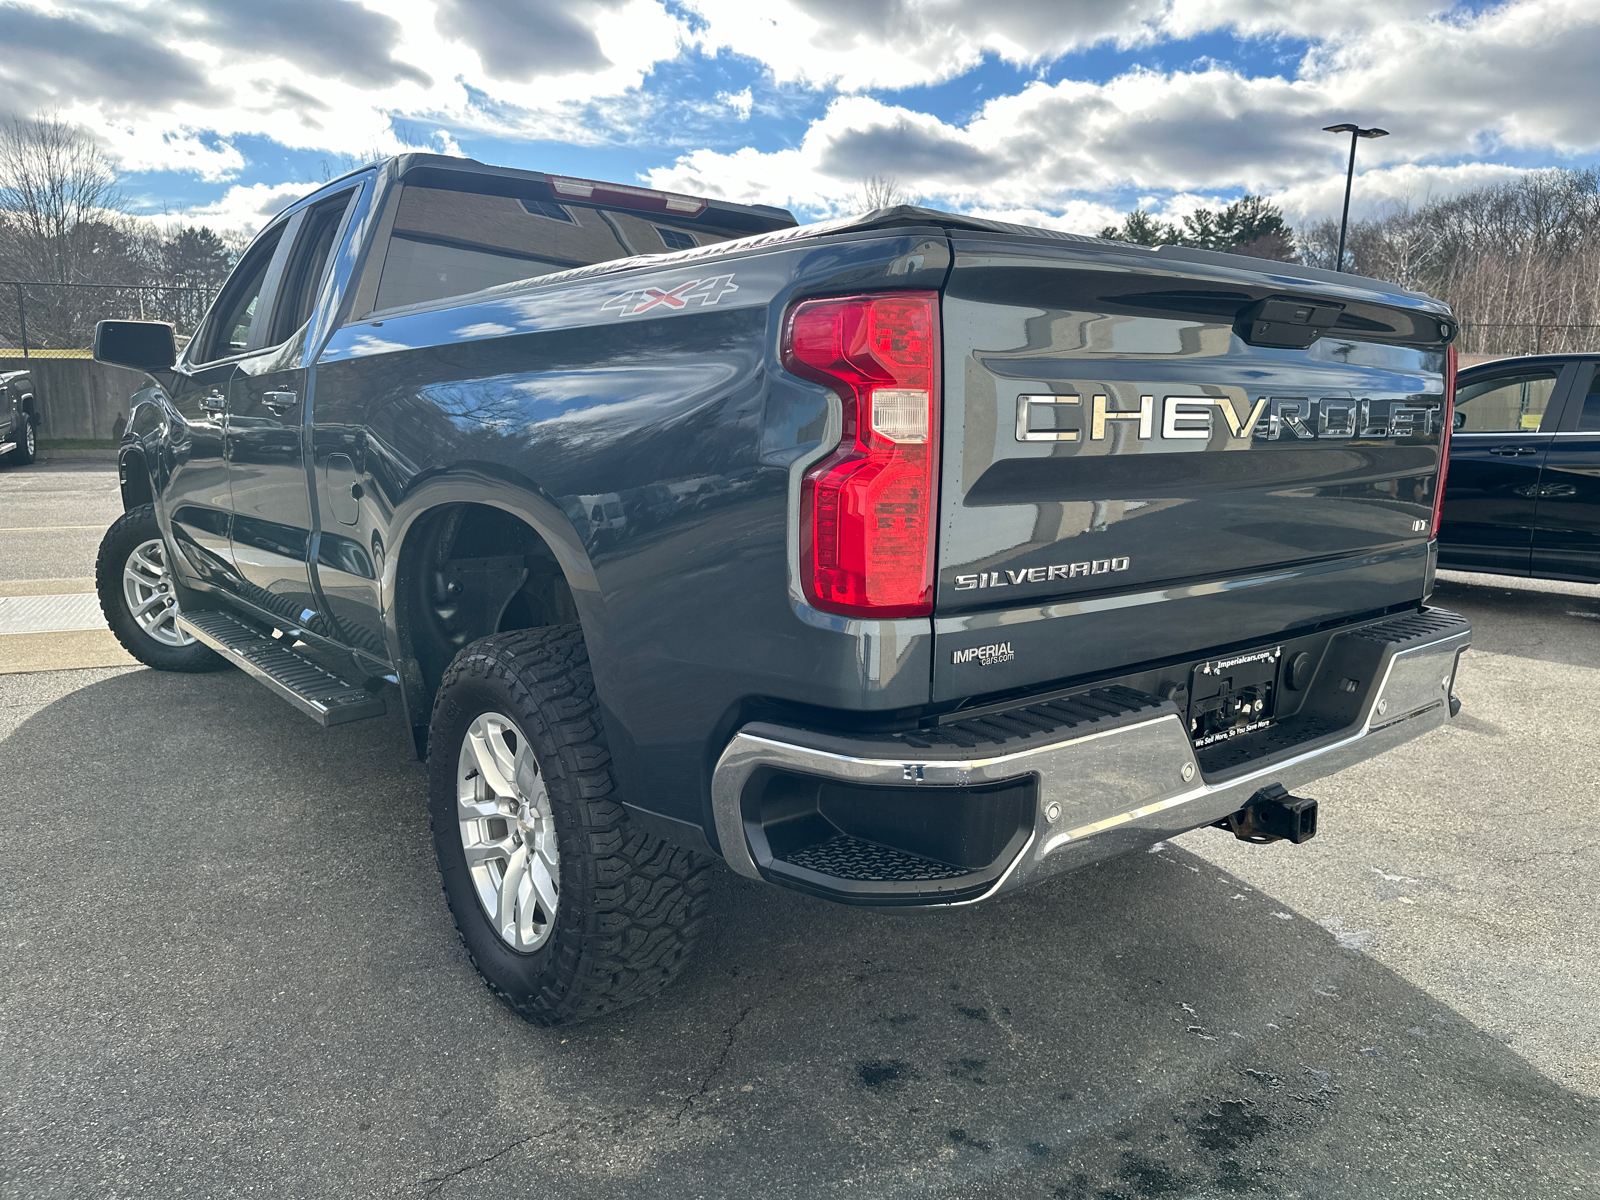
(78, 444)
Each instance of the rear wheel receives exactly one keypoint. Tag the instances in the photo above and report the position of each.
(566, 907)
(139, 600)
(27, 448)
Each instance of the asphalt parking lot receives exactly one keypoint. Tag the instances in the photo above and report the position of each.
(226, 969)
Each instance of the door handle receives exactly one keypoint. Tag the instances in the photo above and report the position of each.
(215, 402)
(279, 402)
(1514, 451)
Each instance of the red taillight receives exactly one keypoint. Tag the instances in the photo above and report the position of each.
(867, 510)
(1444, 438)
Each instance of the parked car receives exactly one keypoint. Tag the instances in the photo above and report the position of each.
(19, 418)
(903, 560)
(1523, 494)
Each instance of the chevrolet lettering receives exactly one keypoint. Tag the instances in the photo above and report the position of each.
(901, 560)
(1055, 418)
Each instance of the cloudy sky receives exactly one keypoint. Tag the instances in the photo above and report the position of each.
(1060, 112)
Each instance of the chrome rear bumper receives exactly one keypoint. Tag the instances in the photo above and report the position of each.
(1104, 793)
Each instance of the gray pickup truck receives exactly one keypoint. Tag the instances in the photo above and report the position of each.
(904, 560)
(19, 418)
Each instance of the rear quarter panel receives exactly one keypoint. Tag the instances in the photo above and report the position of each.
(663, 436)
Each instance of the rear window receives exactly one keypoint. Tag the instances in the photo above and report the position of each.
(449, 242)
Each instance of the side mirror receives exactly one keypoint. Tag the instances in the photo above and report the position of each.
(1458, 420)
(142, 345)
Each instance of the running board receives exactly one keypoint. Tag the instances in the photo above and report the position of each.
(309, 686)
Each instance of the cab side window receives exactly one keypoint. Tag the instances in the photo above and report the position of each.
(1505, 404)
(227, 331)
(302, 279)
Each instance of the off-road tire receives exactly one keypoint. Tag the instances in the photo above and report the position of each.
(27, 447)
(630, 905)
(129, 531)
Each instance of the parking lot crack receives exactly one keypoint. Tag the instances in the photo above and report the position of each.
(722, 1059)
(435, 1184)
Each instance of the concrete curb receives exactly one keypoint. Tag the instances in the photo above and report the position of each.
(77, 455)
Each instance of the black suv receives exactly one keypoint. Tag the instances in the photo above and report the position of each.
(1523, 496)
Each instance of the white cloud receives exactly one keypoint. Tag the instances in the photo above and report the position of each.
(740, 102)
(1448, 89)
(240, 207)
(174, 84)
(855, 44)
(1274, 18)
(1381, 190)
(329, 75)
(1075, 216)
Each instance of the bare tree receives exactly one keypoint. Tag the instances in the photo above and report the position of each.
(58, 197)
(62, 227)
(880, 191)
(1518, 261)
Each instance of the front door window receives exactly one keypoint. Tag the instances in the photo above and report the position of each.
(227, 332)
(1507, 404)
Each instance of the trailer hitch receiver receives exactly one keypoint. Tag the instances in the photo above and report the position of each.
(1273, 815)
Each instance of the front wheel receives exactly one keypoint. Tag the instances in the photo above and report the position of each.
(566, 907)
(138, 598)
(27, 447)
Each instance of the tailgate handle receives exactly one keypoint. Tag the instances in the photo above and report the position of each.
(1286, 322)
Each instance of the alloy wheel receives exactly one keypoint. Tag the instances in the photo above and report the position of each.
(147, 588)
(508, 832)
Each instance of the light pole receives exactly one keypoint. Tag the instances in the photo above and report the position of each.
(1355, 131)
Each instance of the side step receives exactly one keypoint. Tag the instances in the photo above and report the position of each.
(310, 687)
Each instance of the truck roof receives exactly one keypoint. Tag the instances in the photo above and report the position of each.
(908, 216)
(756, 218)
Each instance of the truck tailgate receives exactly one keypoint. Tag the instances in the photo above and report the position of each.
(1127, 478)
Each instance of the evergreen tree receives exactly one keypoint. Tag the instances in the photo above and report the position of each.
(196, 258)
(1251, 225)
(1142, 229)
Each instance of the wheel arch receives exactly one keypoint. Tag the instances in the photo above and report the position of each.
(462, 541)
(133, 477)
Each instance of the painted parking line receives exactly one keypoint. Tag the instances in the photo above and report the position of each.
(50, 614)
(68, 651)
(60, 586)
(56, 631)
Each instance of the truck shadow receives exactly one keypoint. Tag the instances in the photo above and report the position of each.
(227, 958)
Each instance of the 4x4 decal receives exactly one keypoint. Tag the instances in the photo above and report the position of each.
(704, 292)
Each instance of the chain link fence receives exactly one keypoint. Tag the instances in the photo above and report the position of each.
(57, 320)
